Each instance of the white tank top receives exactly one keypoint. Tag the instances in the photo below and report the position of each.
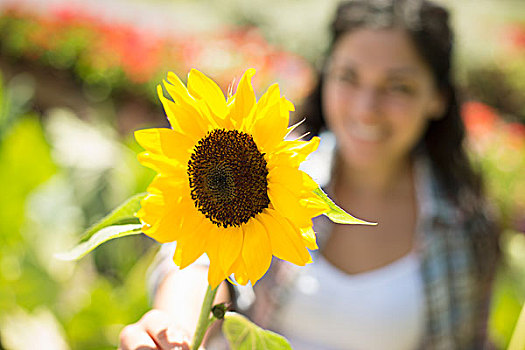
(380, 309)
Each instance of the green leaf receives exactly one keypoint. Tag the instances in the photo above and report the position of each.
(338, 215)
(102, 236)
(123, 214)
(242, 334)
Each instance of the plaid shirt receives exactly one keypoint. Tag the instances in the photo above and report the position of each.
(459, 254)
(458, 257)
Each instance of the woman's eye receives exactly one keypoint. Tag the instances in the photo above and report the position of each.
(346, 78)
(400, 88)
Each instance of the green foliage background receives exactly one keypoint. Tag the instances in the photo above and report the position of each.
(46, 202)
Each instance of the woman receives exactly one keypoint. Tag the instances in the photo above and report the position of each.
(421, 278)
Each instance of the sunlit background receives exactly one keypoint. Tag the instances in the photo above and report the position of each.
(77, 77)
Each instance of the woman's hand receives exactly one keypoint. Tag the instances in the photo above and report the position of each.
(176, 310)
(154, 331)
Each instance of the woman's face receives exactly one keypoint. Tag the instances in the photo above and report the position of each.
(378, 96)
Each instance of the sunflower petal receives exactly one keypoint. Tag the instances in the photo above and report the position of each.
(231, 242)
(314, 205)
(256, 250)
(161, 164)
(309, 238)
(183, 120)
(288, 204)
(293, 153)
(239, 270)
(202, 87)
(287, 106)
(195, 108)
(271, 119)
(244, 100)
(151, 209)
(190, 218)
(269, 127)
(165, 141)
(286, 241)
(167, 185)
(175, 87)
(295, 180)
(161, 226)
(215, 273)
(271, 94)
(162, 230)
(192, 246)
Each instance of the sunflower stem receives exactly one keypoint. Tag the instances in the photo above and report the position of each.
(204, 319)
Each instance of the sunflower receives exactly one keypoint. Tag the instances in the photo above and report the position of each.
(228, 184)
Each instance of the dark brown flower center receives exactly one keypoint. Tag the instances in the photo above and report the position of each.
(228, 177)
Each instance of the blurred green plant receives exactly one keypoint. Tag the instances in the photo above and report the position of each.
(54, 182)
(498, 148)
(509, 291)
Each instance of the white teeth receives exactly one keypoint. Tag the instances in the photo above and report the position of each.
(366, 132)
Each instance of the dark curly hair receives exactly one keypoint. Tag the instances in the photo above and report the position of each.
(428, 26)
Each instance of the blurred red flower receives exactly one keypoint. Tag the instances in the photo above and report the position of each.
(479, 118)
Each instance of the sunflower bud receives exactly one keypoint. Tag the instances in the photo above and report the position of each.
(219, 310)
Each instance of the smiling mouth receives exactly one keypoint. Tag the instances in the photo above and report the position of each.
(367, 132)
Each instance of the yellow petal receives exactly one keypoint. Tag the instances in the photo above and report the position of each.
(269, 128)
(163, 219)
(244, 100)
(192, 246)
(285, 239)
(185, 119)
(172, 186)
(188, 104)
(287, 106)
(293, 153)
(314, 205)
(162, 164)
(231, 241)
(215, 273)
(304, 147)
(256, 250)
(202, 87)
(288, 204)
(163, 230)
(309, 238)
(190, 217)
(151, 209)
(165, 141)
(176, 89)
(271, 94)
(239, 270)
(293, 179)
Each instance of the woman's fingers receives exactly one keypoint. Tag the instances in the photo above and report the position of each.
(153, 331)
(163, 332)
(133, 337)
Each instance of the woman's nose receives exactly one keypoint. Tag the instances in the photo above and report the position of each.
(366, 105)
